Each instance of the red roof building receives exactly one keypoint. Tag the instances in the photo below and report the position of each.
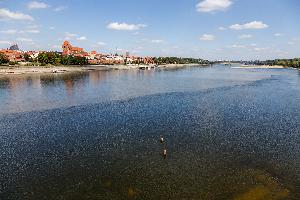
(69, 49)
(12, 55)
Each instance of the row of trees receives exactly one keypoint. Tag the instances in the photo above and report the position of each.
(57, 59)
(177, 60)
(52, 58)
(295, 63)
(288, 62)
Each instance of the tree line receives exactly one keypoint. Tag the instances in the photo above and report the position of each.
(177, 60)
(55, 58)
(295, 63)
(52, 58)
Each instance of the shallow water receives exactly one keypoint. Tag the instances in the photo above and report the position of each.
(230, 134)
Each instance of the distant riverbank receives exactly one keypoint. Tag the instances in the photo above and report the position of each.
(18, 70)
(177, 66)
(258, 67)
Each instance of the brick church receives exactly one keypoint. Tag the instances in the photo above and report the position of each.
(68, 49)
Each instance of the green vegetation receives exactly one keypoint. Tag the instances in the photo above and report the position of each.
(289, 63)
(282, 62)
(27, 58)
(54, 58)
(176, 60)
(3, 59)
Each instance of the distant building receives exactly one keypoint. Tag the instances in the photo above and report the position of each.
(15, 56)
(68, 49)
(14, 47)
(32, 54)
(127, 54)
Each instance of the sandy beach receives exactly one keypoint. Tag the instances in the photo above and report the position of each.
(18, 70)
(258, 67)
(177, 66)
(6, 70)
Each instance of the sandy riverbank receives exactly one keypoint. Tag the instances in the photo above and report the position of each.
(18, 70)
(7, 70)
(177, 66)
(258, 67)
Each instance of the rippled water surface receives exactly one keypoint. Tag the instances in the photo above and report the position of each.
(230, 134)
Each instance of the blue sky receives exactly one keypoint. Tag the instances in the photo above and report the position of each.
(209, 29)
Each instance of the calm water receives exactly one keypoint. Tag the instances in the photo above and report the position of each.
(230, 134)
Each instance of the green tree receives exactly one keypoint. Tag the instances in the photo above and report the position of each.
(3, 59)
(27, 58)
(43, 58)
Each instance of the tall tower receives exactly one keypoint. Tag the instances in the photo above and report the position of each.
(66, 48)
(14, 47)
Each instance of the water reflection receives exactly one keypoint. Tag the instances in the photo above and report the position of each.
(39, 92)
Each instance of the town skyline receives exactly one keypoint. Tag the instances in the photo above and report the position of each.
(214, 30)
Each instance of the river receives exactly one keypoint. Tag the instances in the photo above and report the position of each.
(229, 134)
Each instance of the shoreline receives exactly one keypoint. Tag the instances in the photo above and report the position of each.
(259, 67)
(177, 66)
(46, 70)
(20, 70)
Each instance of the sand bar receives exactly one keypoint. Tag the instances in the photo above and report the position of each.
(258, 67)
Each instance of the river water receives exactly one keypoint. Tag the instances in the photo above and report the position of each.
(229, 134)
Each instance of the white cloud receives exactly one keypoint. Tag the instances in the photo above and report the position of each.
(5, 42)
(246, 36)
(60, 8)
(236, 46)
(291, 43)
(101, 43)
(32, 27)
(213, 5)
(12, 31)
(24, 39)
(250, 25)
(82, 38)
(70, 35)
(37, 5)
(9, 32)
(260, 49)
(125, 26)
(207, 37)
(221, 28)
(9, 15)
(31, 31)
(157, 41)
(278, 34)
(139, 48)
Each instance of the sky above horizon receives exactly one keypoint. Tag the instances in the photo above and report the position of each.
(208, 29)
